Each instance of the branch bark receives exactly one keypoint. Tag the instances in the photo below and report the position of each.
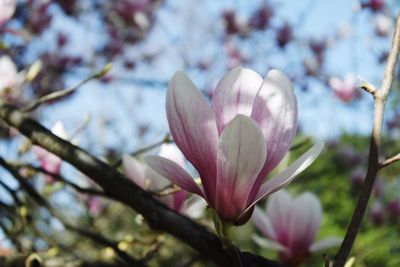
(380, 97)
(118, 187)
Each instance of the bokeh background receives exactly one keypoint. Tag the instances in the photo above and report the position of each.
(326, 48)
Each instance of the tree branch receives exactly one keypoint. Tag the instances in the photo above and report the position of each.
(120, 188)
(389, 161)
(380, 97)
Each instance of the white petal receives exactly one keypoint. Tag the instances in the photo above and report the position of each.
(262, 222)
(193, 127)
(326, 243)
(241, 155)
(135, 170)
(235, 94)
(275, 111)
(305, 220)
(173, 172)
(289, 173)
(268, 244)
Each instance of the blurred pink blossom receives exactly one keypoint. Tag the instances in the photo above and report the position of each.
(228, 142)
(346, 90)
(48, 161)
(7, 9)
(150, 180)
(290, 226)
(383, 25)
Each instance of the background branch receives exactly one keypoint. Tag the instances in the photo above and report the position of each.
(380, 97)
(118, 187)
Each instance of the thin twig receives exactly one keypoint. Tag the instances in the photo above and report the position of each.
(61, 179)
(380, 97)
(96, 237)
(390, 161)
(66, 91)
(166, 139)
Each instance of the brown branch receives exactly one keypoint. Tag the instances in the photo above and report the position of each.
(96, 237)
(66, 91)
(380, 97)
(120, 188)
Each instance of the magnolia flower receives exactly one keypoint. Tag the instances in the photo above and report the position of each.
(149, 180)
(291, 225)
(7, 9)
(50, 162)
(346, 90)
(236, 143)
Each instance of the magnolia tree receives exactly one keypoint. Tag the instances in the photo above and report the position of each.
(79, 187)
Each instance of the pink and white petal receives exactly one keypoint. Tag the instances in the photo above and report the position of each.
(235, 94)
(135, 171)
(178, 199)
(7, 10)
(305, 221)
(263, 223)
(326, 244)
(285, 177)
(194, 207)
(241, 155)
(194, 129)
(171, 151)
(278, 208)
(275, 111)
(173, 172)
(269, 244)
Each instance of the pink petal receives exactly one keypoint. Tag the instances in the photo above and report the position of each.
(263, 223)
(234, 95)
(194, 207)
(305, 220)
(178, 199)
(174, 173)
(326, 243)
(193, 127)
(171, 151)
(7, 9)
(241, 155)
(135, 171)
(278, 209)
(275, 111)
(285, 177)
(269, 244)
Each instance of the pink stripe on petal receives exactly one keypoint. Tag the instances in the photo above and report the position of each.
(241, 155)
(285, 177)
(305, 220)
(134, 170)
(278, 209)
(173, 172)
(275, 111)
(193, 127)
(235, 94)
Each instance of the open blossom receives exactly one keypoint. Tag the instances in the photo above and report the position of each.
(48, 161)
(346, 90)
(7, 9)
(149, 180)
(291, 225)
(236, 143)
